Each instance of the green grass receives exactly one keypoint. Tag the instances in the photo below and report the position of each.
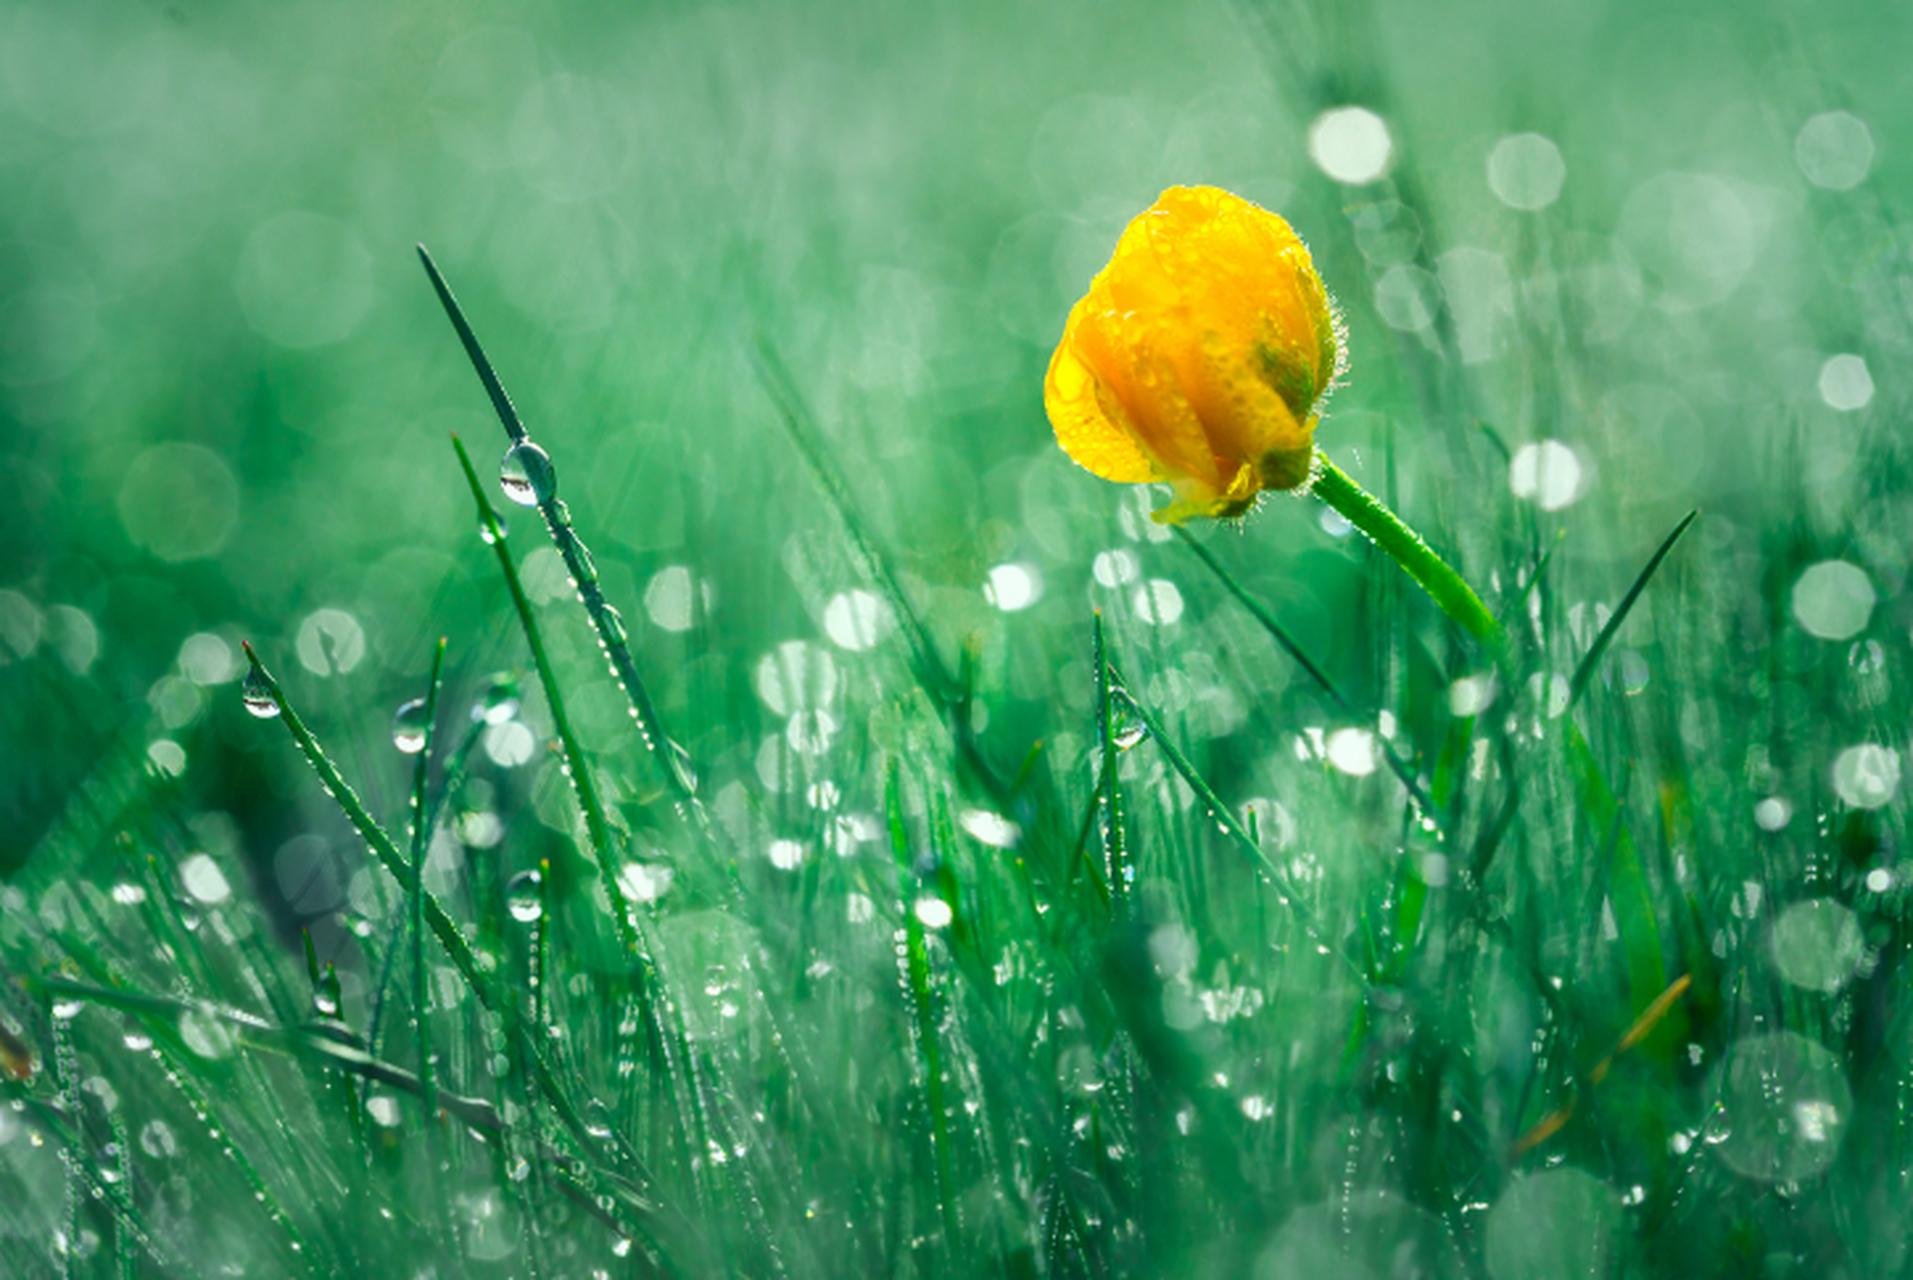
(739, 890)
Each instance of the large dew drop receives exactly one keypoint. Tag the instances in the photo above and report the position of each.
(499, 702)
(409, 726)
(256, 693)
(524, 897)
(526, 475)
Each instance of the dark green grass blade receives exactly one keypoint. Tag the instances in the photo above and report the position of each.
(507, 415)
(1591, 661)
(665, 1039)
(1266, 619)
(579, 773)
(605, 619)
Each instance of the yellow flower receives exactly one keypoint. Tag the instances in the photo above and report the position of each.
(1198, 356)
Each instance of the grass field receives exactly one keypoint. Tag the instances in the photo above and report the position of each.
(785, 819)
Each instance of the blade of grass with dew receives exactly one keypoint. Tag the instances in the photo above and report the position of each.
(1116, 872)
(579, 770)
(1266, 619)
(421, 1006)
(914, 958)
(1591, 660)
(680, 1235)
(1220, 814)
(665, 1031)
(607, 621)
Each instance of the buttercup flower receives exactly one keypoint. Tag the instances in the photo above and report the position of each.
(1198, 356)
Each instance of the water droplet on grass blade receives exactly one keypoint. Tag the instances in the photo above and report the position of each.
(498, 703)
(256, 693)
(526, 474)
(523, 897)
(409, 726)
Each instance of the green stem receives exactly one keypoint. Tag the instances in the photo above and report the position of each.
(1384, 528)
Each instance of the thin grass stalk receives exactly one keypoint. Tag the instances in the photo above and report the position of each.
(421, 1007)
(606, 620)
(924, 1010)
(1115, 852)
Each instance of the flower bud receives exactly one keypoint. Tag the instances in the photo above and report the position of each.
(1198, 356)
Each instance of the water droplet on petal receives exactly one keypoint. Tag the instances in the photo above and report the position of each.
(257, 695)
(526, 475)
(409, 726)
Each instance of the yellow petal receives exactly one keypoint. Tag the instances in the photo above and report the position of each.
(1083, 426)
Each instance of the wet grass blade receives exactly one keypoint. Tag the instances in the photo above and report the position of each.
(1591, 660)
(262, 685)
(925, 1011)
(579, 772)
(1224, 818)
(1115, 854)
(1266, 619)
(605, 619)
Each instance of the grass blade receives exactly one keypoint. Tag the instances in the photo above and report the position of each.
(1266, 619)
(1591, 660)
(607, 621)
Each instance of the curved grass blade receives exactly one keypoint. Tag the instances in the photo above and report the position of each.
(607, 621)
(1260, 612)
(1591, 660)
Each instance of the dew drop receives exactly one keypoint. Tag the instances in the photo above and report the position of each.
(612, 624)
(499, 702)
(523, 897)
(526, 475)
(409, 726)
(256, 693)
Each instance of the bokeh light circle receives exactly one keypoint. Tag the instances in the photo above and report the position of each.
(1781, 1107)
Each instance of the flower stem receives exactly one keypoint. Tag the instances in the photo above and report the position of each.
(1384, 528)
